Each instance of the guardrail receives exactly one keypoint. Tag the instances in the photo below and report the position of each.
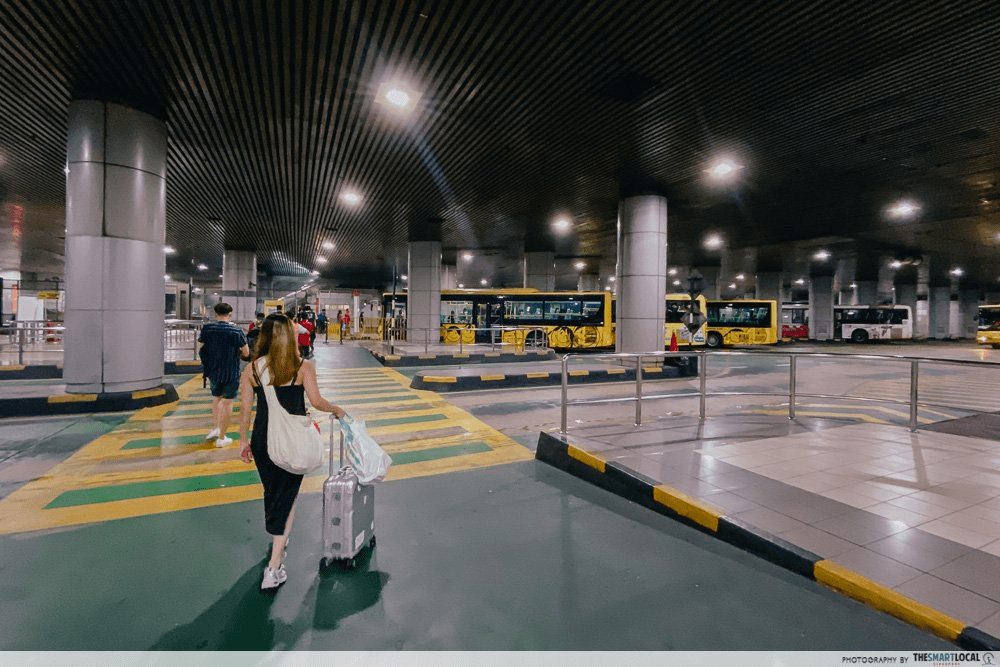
(792, 394)
(522, 337)
(26, 339)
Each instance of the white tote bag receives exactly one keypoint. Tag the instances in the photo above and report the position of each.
(369, 461)
(293, 441)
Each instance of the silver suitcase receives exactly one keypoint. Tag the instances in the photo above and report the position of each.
(348, 510)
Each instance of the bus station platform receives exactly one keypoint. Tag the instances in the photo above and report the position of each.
(409, 355)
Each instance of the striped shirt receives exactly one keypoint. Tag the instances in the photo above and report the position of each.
(220, 354)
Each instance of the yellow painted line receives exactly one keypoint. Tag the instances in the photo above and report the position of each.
(391, 357)
(72, 398)
(362, 406)
(579, 373)
(701, 513)
(616, 371)
(427, 356)
(492, 378)
(148, 393)
(15, 367)
(885, 599)
(520, 354)
(491, 354)
(460, 356)
(652, 369)
(537, 375)
(585, 458)
(440, 378)
(187, 362)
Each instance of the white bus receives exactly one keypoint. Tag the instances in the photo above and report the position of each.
(859, 324)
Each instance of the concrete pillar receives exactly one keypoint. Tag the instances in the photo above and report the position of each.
(821, 308)
(921, 314)
(239, 283)
(642, 273)
(866, 293)
(768, 286)
(906, 295)
(423, 297)
(967, 324)
(709, 281)
(886, 279)
(939, 320)
(588, 282)
(540, 270)
(449, 276)
(115, 230)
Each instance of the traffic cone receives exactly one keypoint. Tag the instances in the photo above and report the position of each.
(673, 341)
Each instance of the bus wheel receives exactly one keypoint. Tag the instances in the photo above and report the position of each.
(859, 336)
(535, 338)
(996, 346)
(714, 339)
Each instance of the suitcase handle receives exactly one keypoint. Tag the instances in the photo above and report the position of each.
(340, 430)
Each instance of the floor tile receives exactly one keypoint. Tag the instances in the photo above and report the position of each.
(919, 549)
(770, 521)
(818, 541)
(949, 598)
(877, 567)
(861, 527)
(976, 571)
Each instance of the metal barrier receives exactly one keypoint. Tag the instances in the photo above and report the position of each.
(37, 338)
(522, 337)
(703, 356)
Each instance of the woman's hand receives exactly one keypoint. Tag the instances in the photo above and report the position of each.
(245, 454)
(338, 412)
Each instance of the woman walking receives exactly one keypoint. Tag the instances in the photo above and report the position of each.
(293, 379)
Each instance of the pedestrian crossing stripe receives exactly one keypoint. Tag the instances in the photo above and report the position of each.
(158, 461)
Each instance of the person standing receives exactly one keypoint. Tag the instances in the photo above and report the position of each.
(321, 323)
(293, 379)
(223, 344)
(305, 339)
(340, 325)
(346, 327)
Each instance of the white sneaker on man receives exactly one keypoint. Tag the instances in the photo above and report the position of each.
(213, 434)
(224, 441)
(273, 577)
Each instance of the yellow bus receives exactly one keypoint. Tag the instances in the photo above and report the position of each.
(685, 320)
(989, 326)
(563, 320)
(741, 322)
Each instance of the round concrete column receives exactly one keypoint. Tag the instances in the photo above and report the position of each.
(239, 283)
(540, 270)
(115, 230)
(423, 296)
(642, 273)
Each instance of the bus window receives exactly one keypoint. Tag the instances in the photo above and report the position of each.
(523, 311)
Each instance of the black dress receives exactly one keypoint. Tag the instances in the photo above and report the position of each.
(280, 486)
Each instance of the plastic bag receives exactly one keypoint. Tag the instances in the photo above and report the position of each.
(369, 461)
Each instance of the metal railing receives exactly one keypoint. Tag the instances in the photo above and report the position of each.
(25, 340)
(521, 337)
(792, 394)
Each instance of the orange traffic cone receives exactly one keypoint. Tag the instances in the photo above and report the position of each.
(673, 341)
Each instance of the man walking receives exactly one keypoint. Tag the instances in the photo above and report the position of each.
(223, 344)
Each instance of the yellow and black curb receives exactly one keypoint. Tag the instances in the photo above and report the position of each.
(665, 500)
(470, 380)
(50, 372)
(62, 404)
(452, 359)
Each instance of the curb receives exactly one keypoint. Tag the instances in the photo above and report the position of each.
(668, 501)
(25, 372)
(461, 382)
(63, 404)
(395, 360)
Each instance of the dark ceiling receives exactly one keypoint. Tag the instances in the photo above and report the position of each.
(527, 109)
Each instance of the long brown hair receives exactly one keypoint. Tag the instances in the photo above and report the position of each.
(277, 342)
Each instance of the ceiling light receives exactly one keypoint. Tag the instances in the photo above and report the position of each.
(484, 282)
(611, 279)
(723, 169)
(169, 249)
(895, 264)
(800, 281)
(740, 276)
(350, 198)
(396, 96)
(713, 242)
(404, 277)
(677, 282)
(853, 285)
(671, 272)
(732, 285)
(580, 266)
(957, 271)
(461, 286)
(822, 255)
(467, 256)
(166, 277)
(562, 224)
(321, 260)
(328, 245)
(202, 267)
(904, 209)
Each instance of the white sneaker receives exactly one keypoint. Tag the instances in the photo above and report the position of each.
(222, 442)
(214, 433)
(273, 578)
